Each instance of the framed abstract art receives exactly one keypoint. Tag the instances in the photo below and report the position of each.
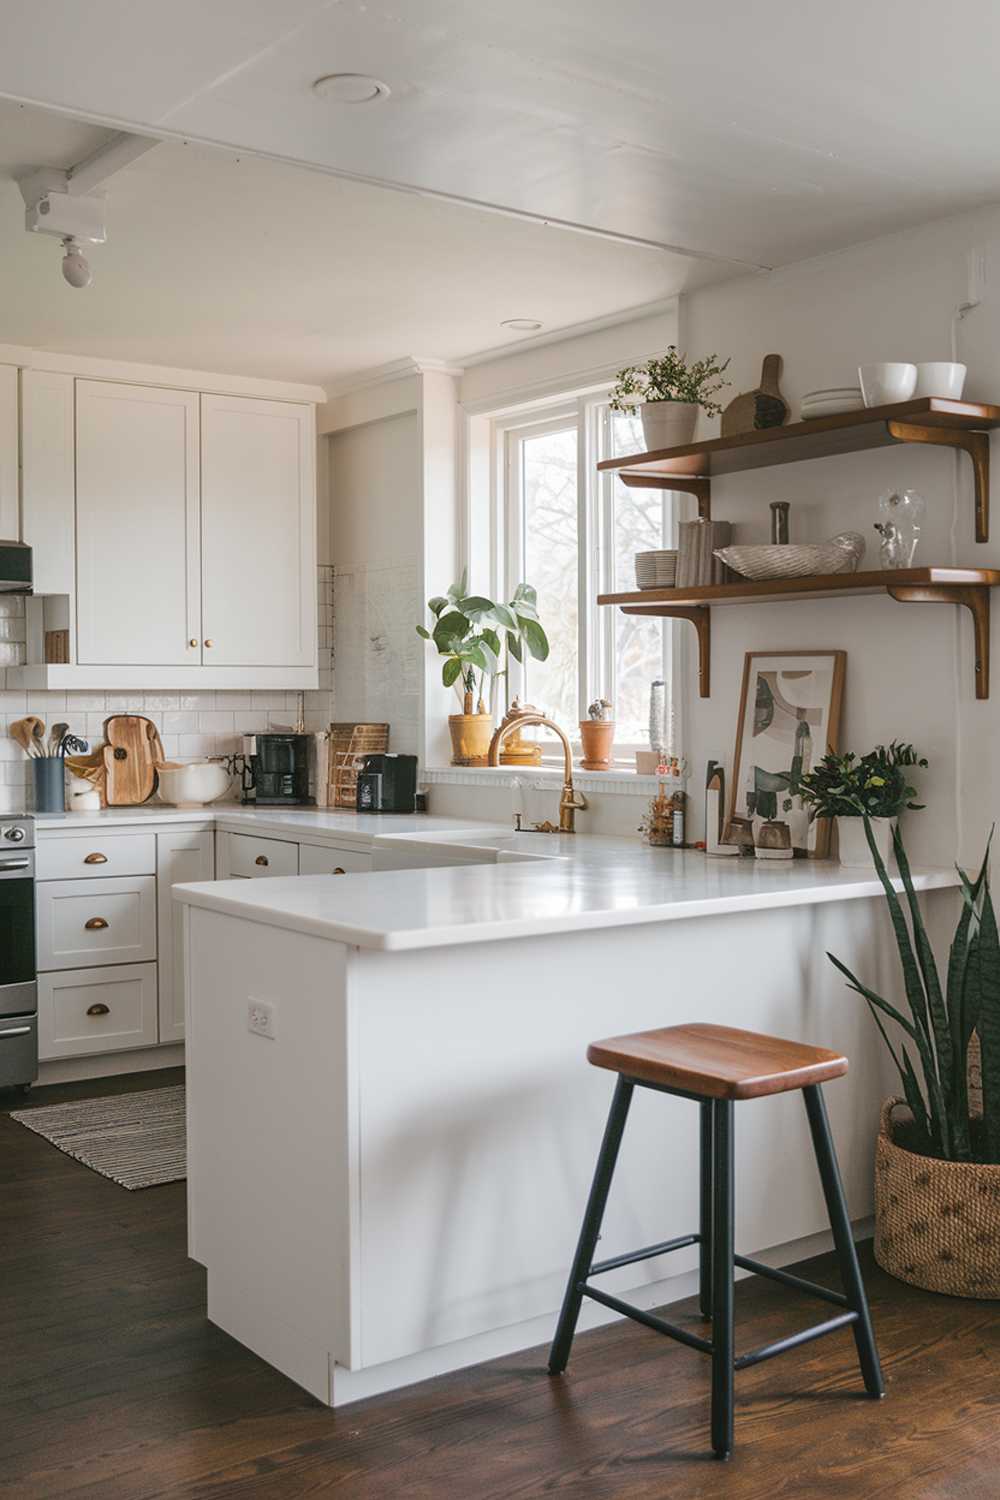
(789, 718)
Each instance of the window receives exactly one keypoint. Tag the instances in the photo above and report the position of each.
(572, 533)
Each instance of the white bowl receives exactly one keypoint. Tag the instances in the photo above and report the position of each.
(831, 408)
(941, 378)
(884, 384)
(192, 784)
(831, 391)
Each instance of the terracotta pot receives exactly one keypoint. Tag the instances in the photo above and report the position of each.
(937, 1223)
(668, 424)
(598, 737)
(470, 738)
(853, 845)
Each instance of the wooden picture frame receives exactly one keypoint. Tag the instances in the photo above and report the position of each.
(800, 717)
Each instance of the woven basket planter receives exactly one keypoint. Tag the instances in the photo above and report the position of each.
(937, 1223)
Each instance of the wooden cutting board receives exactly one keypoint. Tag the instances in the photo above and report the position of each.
(130, 755)
(764, 407)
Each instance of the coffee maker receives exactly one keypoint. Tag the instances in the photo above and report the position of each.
(278, 770)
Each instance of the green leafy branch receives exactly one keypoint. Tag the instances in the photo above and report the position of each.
(477, 636)
(671, 378)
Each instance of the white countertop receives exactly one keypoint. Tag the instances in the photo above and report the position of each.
(320, 825)
(574, 883)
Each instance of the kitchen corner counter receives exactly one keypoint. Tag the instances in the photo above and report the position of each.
(533, 885)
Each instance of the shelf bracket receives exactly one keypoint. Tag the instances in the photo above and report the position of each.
(975, 444)
(698, 615)
(976, 600)
(699, 485)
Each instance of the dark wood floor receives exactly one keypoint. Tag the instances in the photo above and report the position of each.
(112, 1384)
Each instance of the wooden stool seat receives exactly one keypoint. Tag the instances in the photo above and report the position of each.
(717, 1062)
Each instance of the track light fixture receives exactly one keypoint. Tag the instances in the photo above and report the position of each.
(75, 266)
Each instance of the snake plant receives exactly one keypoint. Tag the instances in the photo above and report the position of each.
(932, 1057)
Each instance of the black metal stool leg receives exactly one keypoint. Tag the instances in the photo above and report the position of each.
(722, 1278)
(840, 1223)
(706, 1153)
(591, 1228)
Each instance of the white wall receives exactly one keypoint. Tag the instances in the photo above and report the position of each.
(375, 546)
(909, 669)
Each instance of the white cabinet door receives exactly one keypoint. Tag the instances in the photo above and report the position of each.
(180, 857)
(258, 527)
(10, 519)
(137, 526)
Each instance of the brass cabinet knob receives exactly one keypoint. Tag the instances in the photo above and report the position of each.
(95, 924)
(98, 1010)
(96, 859)
(210, 644)
(192, 642)
(339, 871)
(262, 859)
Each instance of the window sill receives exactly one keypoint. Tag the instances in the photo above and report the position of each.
(618, 782)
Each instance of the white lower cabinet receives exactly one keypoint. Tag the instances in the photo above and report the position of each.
(180, 859)
(320, 859)
(81, 1011)
(245, 856)
(83, 922)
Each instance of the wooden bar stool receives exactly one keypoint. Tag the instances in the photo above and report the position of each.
(715, 1066)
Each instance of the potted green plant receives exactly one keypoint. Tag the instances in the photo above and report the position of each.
(477, 638)
(870, 790)
(669, 393)
(937, 1164)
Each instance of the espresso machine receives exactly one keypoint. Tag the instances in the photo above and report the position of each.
(277, 770)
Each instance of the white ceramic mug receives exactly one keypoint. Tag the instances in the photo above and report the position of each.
(941, 378)
(883, 384)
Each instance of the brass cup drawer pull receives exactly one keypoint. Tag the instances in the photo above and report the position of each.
(340, 871)
(96, 859)
(100, 1009)
(95, 924)
(262, 859)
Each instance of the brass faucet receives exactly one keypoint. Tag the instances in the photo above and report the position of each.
(570, 800)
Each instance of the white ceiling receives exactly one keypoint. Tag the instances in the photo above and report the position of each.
(764, 133)
(241, 265)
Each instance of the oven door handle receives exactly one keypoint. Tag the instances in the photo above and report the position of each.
(16, 1031)
(14, 864)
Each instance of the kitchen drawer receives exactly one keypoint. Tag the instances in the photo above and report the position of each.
(320, 859)
(252, 857)
(83, 922)
(96, 1010)
(99, 854)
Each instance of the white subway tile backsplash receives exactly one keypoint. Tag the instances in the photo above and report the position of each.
(215, 722)
(180, 723)
(196, 744)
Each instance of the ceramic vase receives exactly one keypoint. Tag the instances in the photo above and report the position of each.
(668, 424)
(854, 851)
(596, 738)
(470, 738)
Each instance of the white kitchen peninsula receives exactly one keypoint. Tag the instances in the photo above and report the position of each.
(389, 1184)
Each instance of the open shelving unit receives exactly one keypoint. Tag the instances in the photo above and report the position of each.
(961, 425)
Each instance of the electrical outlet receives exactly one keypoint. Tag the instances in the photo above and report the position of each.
(260, 1019)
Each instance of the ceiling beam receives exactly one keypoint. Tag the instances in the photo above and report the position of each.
(111, 157)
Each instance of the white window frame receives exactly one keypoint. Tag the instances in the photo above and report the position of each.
(596, 654)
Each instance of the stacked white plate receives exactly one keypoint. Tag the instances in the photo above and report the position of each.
(831, 402)
(656, 570)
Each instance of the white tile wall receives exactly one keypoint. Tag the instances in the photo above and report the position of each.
(191, 725)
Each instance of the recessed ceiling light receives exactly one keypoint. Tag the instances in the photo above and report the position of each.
(523, 325)
(351, 88)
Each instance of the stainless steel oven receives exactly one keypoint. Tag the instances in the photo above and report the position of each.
(18, 989)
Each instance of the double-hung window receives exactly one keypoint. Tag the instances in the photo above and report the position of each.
(572, 532)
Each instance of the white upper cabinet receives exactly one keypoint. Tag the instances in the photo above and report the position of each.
(258, 529)
(137, 526)
(10, 521)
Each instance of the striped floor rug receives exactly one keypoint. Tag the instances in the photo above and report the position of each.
(135, 1139)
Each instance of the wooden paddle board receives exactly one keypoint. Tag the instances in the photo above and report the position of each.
(764, 407)
(131, 753)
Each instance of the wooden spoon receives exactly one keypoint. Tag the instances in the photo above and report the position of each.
(56, 737)
(23, 731)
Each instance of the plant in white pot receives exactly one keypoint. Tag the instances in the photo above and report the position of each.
(937, 1160)
(870, 790)
(669, 393)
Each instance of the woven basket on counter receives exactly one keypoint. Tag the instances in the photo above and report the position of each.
(349, 743)
(937, 1223)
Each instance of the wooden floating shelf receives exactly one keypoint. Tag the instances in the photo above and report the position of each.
(967, 586)
(951, 424)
